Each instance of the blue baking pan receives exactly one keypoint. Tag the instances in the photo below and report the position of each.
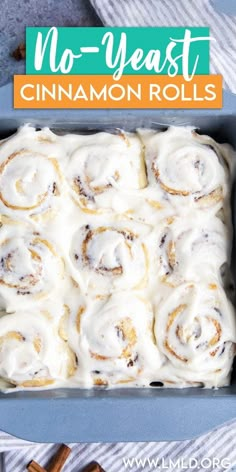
(151, 414)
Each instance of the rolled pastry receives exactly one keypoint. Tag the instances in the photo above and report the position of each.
(102, 167)
(113, 339)
(30, 267)
(31, 352)
(30, 176)
(190, 170)
(195, 329)
(110, 257)
(192, 249)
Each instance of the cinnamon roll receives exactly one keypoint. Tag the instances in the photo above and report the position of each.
(114, 259)
(31, 352)
(113, 339)
(103, 168)
(30, 267)
(194, 248)
(30, 176)
(110, 257)
(189, 169)
(195, 329)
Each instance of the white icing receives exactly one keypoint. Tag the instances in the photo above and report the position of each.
(30, 267)
(110, 257)
(102, 168)
(31, 350)
(191, 249)
(195, 328)
(96, 254)
(30, 177)
(113, 339)
(189, 170)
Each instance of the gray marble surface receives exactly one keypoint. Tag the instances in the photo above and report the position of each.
(15, 15)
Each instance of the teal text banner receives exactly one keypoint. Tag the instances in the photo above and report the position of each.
(96, 51)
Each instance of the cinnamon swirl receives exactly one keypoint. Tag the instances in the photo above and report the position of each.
(30, 267)
(30, 176)
(107, 258)
(195, 329)
(194, 248)
(115, 259)
(31, 352)
(190, 170)
(103, 168)
(113, 339)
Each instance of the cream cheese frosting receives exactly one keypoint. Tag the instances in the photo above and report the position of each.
(115, 256)
(195, 327)
(113, 339)
(31, 352)
(30, 267)
(30, 176)
(188, 170)
(107, 258)
(186, 246)
(100, 165)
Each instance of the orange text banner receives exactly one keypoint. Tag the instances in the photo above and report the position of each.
(131, 91)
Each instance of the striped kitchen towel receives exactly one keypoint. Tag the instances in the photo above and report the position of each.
(182, 13)
(212, 452)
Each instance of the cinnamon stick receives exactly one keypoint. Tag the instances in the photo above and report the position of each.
(19, 52)
(93, 467)
(34, 467)
(59, 459)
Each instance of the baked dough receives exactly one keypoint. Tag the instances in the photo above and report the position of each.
(115, 256)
